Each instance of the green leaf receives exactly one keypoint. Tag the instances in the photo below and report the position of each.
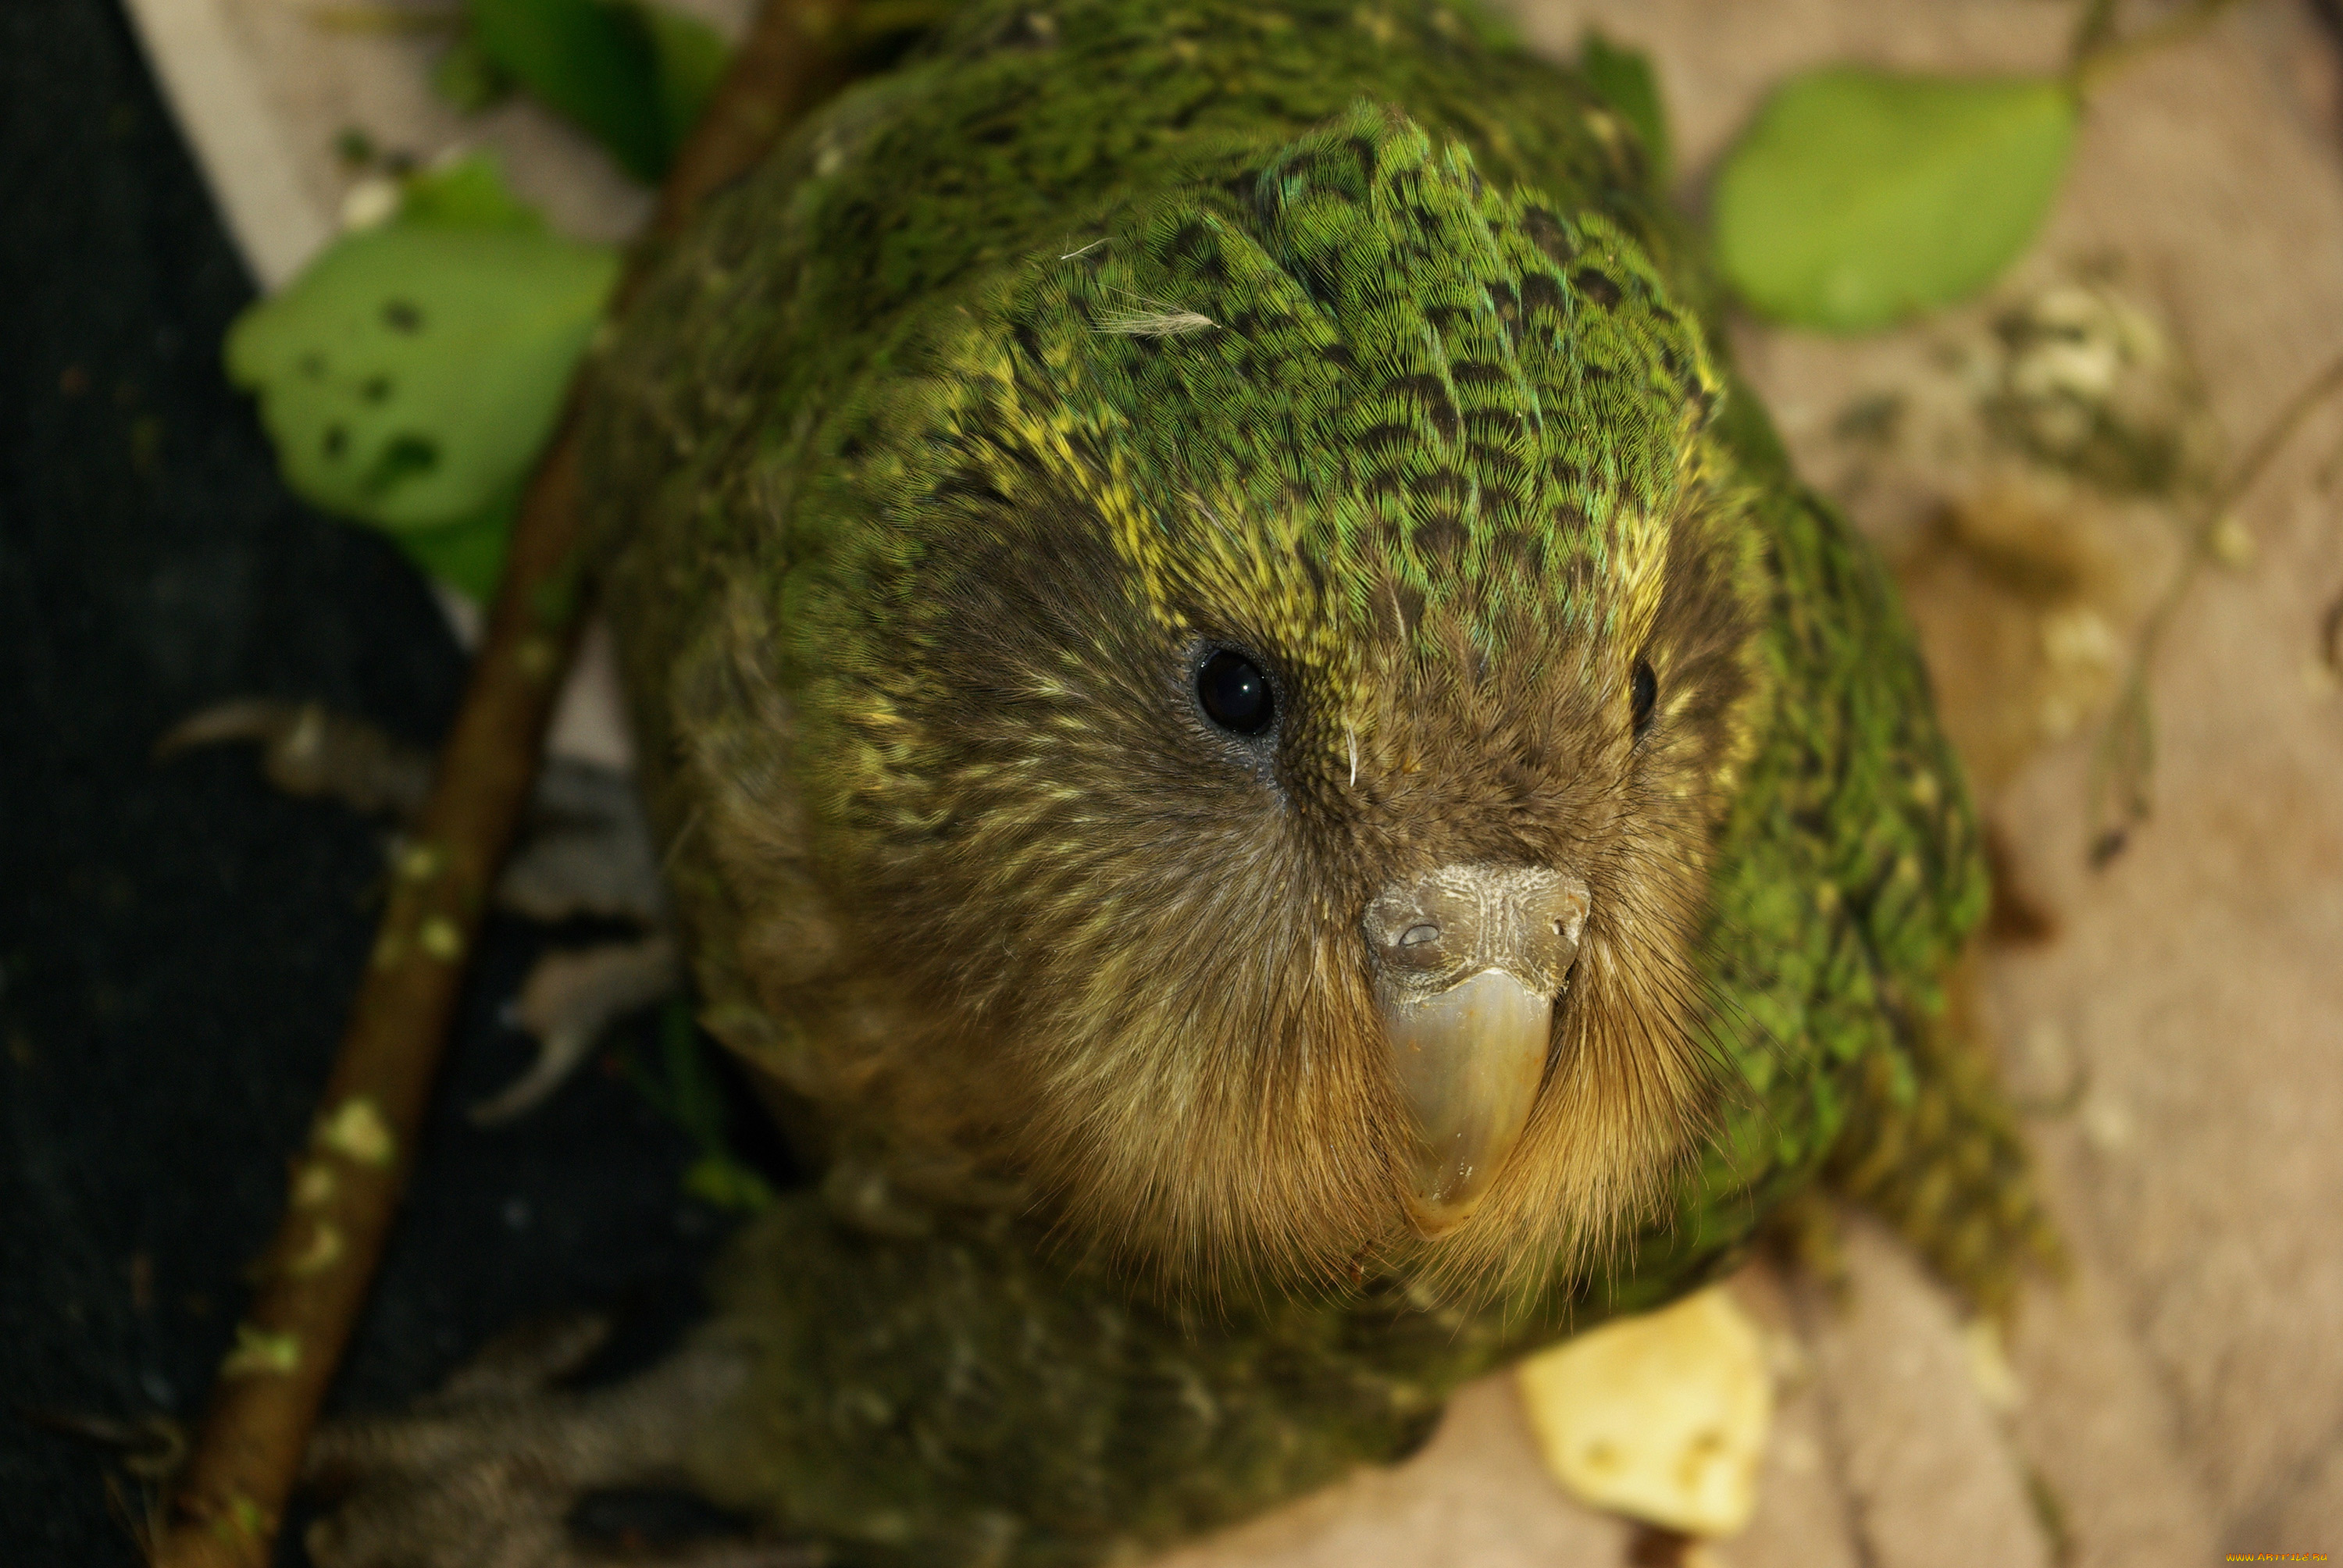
(591, 63)
(1857, 197)
(688, 1094)
(1625, 80)
(694, 1099)
(691, 58)
(466, 77)
(468, 554)
(721, 1182)
(632, 74)
(470, 193)
(409, 375)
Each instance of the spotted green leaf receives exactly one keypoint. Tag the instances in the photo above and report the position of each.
(1857, 197)
(409, 376)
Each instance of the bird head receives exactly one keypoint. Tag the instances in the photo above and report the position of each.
(1280, 722)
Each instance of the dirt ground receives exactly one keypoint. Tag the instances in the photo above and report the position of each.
(2176, 1017)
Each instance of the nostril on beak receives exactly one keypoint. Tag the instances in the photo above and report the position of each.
(1467, 961)
(1566, 917)
(1526, 919)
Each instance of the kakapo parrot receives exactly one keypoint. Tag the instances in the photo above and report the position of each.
(1261, 753)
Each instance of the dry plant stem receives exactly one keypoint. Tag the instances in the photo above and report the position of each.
(2098, 54)
(2093, 31)
(2125, 755)
(347, 1182)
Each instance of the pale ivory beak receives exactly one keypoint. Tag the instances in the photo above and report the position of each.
(1468, 961)
(1469, 1060)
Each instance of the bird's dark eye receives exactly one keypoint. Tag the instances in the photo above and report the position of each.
(1646, 695)
(1235, 693)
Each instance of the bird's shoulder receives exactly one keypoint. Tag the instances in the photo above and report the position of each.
(1850, 873)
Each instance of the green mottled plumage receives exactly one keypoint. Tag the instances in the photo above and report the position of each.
(1352, 335)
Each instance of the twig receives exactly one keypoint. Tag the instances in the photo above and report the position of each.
(2093, 31)
(2098, 54)
(2126, 752)
(347, 1183)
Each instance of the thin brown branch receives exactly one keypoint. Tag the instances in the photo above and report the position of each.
(347, 1183)
(2100, 54)
(2125, 756)
(2093, 30)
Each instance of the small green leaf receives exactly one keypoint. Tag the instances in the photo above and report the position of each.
(409, 376)
(591, 63)
(694, 1099)
(470, 193)
(688, 1094)
(1625, 80)
(468, 554)
(353, 148)
(466, 77)
(721, 1182)
(691, 58)
(1857, 197)
(632, 74)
